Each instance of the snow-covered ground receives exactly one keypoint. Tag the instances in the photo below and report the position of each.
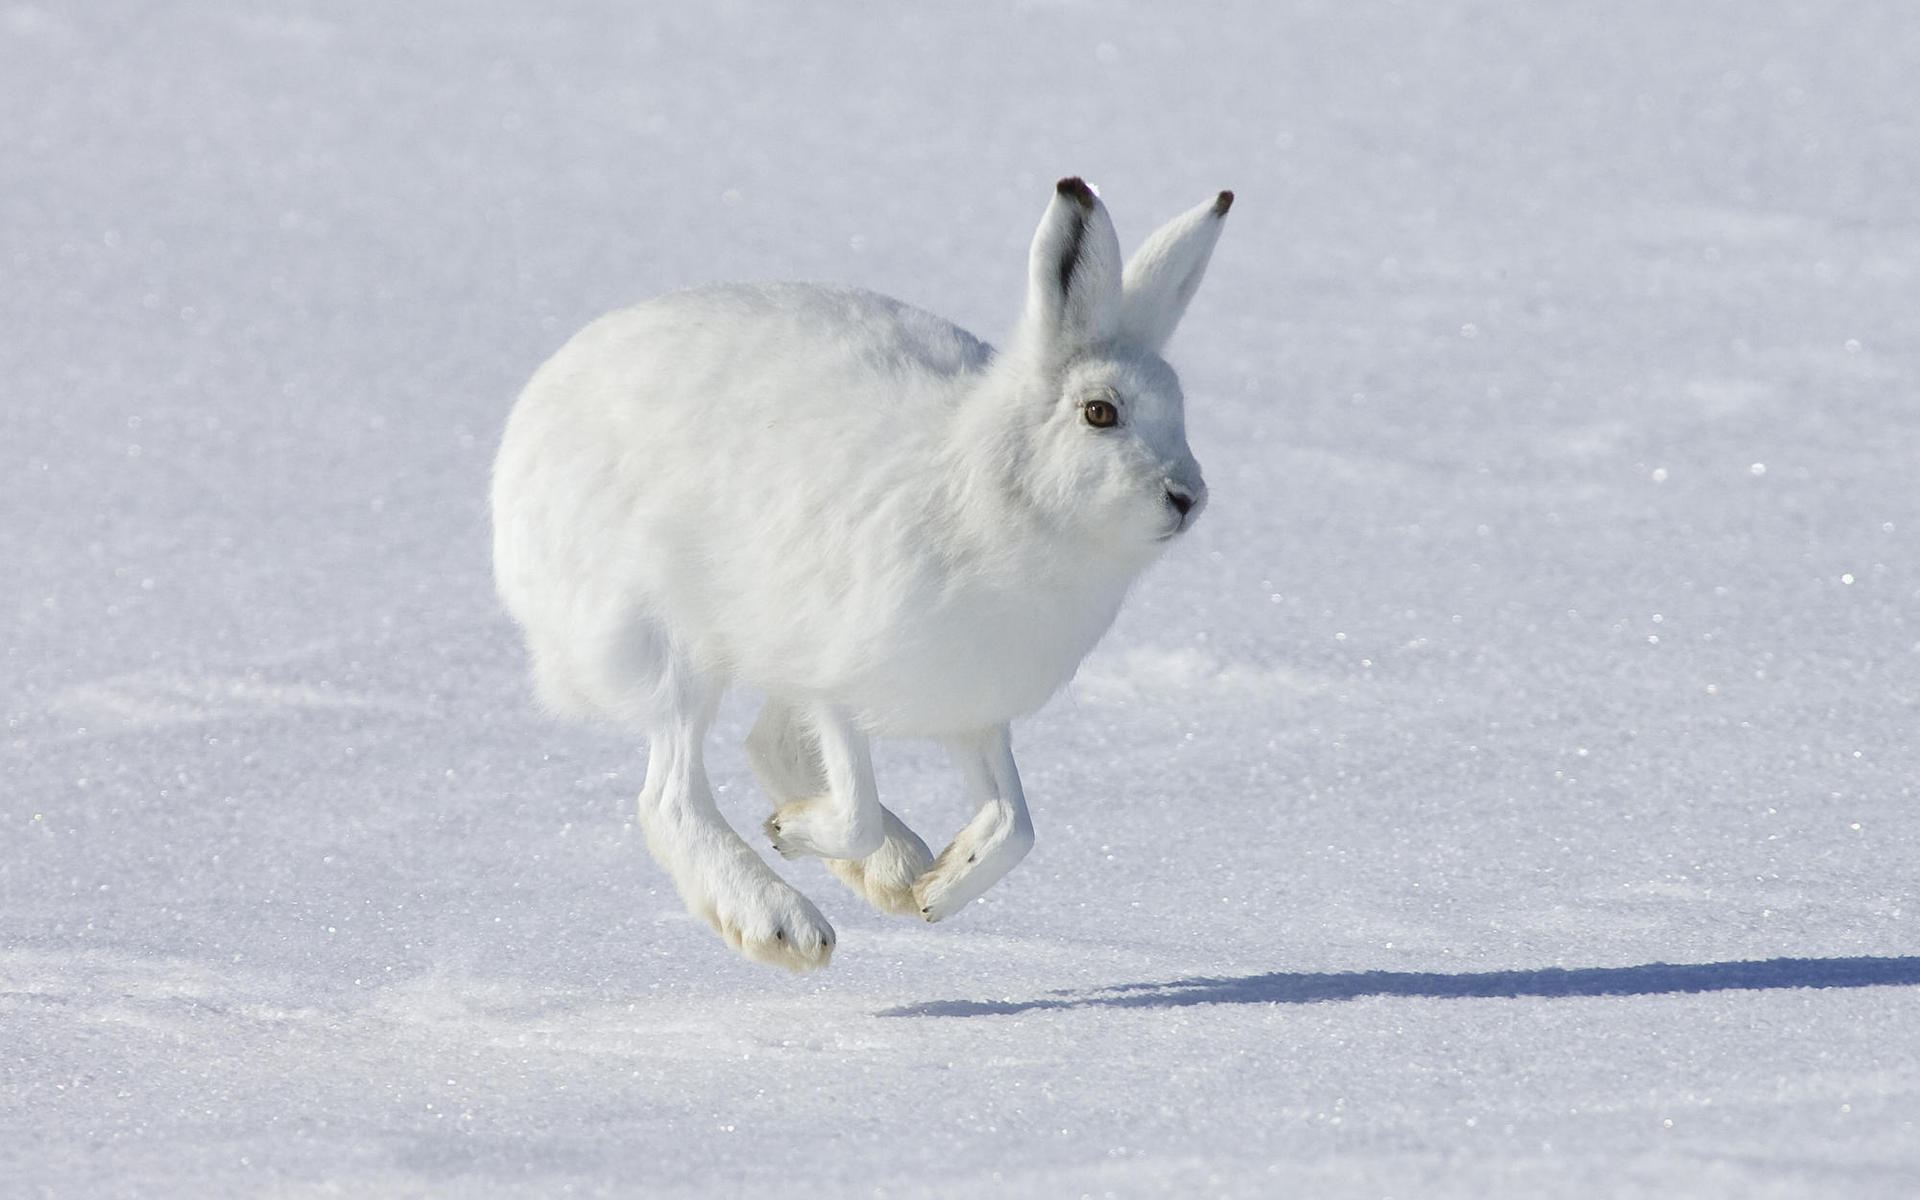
(1509, 789)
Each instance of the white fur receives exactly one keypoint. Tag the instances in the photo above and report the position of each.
(863, 512)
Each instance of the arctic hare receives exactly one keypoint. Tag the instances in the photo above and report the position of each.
(863, 512)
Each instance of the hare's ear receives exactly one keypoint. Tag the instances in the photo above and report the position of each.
(1163, 273)
(1073, 273)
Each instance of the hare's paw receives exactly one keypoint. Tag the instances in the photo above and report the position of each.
(797, 940)
(770, 924)
(724, 883)
(948, 885)
(757, 912)
(886, 877)
(787, 830)
(965, 870)
(819, 827)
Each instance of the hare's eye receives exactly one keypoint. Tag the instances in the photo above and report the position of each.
(1100, 413)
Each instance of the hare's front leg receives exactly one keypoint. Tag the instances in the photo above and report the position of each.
(997, 838)
(719, 876)
(841, 819)
(787, 755)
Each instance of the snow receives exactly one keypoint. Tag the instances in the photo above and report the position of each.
(1508, 789)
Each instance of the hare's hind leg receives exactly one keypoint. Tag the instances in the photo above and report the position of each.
(790, 752)
(997, 838)
(719, 876)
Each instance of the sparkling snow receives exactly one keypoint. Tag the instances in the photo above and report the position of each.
(1509, 789)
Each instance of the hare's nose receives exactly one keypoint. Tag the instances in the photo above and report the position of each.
(1181, 500)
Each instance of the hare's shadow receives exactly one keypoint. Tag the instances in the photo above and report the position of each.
(1283, 987)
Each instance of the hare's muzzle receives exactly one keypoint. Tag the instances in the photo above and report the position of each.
(1186, 503)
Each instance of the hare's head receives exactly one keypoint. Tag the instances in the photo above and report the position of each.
(1105, 425)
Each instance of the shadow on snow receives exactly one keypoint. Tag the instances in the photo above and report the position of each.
(1282, 987)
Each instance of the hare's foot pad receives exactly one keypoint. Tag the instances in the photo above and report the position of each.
(886, 877)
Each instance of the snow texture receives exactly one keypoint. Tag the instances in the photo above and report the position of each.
(1508, 789)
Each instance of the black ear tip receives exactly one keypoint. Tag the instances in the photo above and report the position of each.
(1075, 189)
(1222, 203)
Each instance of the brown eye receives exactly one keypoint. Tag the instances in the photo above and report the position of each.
(1101, 414)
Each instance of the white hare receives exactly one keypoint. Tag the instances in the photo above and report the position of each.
(868, 515)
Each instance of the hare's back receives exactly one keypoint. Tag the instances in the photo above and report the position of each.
(780, 385)
(784, 347)
(872, 330)
(717, 455)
